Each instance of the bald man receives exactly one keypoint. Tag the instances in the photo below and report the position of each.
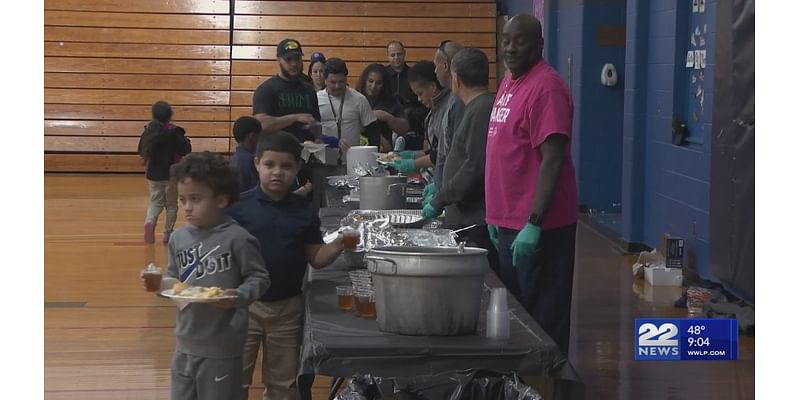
(531, 194)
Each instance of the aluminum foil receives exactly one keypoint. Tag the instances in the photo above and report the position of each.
(343, 181)
(379, 232)
(363, 169)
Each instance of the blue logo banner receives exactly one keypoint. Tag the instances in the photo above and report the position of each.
(660, 339)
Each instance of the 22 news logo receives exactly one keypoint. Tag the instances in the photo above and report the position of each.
(657, 339)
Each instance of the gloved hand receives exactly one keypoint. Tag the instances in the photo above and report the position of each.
(426, 201)
(429, 191)
(407, 154)
(330, 141)
(525, 243)
(493, 236)
(405, 166)
(430, 211)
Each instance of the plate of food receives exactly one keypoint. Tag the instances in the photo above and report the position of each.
(387, 157)
(196, 294)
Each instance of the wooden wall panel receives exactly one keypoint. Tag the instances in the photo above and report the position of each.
(368, 24)
(126, 35)
(370, 39)
(363, 54)
(55, 127)
(105, 144)
(269, 68)
(136, 50)
(135, 81)
(132, 112)
(356, 8)
(109, 96)
(131, 20)
(92, 163)
(107, 61)
(137, 66)
(145, 6)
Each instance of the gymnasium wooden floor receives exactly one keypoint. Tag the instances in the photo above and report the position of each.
(105, 338)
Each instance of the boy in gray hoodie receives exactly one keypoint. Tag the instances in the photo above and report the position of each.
(211, 250)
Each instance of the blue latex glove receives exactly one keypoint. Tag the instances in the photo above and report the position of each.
(430, 211)
(426, 201)
(493, 236)
(331, 141)
(525, 243)
(407, 154)
(404, 166)
(429, 191)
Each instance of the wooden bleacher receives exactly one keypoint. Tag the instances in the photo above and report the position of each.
(107, 61)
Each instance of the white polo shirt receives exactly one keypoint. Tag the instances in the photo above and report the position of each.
(356, 114)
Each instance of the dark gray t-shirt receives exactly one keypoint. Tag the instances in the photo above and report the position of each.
(277, 97)
(461, 190)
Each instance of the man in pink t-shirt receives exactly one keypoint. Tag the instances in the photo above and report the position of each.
(531, 195)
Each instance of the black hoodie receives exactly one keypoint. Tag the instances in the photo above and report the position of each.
(169, 142)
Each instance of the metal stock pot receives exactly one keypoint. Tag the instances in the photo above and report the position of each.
(428, 290)
(382, 192)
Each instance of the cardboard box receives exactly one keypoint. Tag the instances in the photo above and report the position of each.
(659, 276)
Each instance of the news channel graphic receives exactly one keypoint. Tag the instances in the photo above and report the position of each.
(663, 339)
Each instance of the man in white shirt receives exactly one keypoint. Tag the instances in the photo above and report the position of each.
(345, 112)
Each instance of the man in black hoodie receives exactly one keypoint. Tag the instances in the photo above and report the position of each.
(161, 145)
(415, 112)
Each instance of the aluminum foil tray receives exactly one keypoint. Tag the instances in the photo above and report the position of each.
(348, 181)
(397, 218)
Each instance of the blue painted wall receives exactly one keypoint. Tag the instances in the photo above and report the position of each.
(666, 187)
(602, 110)
(663, 188)
(514, 7)
(571, 33)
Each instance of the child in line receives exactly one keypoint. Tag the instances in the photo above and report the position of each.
(246, 131)
(288, 229)
(211, 250)
(160, 145)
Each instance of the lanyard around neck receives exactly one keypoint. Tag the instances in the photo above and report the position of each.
(338, 118)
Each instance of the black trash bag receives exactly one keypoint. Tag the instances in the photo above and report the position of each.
(455, 385)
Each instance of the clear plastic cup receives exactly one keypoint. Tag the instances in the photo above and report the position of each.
(498, 323)
(696, 298)
(365, 303)
(350, 239)
(345, 296)
(152, 278)
(359, 273)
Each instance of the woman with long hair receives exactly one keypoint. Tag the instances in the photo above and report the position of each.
(316, 69)
(373, 84)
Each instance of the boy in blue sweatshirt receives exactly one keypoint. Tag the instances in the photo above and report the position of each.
(211, 250)
(288, 229)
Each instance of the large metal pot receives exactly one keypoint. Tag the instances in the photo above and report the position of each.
(428, 290)
(382, 192)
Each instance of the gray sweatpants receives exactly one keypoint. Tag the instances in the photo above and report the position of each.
(163, 195)
(198, 378)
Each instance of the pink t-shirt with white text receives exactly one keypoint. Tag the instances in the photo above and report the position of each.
(526, 111)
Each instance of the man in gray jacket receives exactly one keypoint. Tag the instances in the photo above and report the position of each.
(461, 189)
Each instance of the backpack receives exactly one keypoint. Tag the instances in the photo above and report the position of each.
(149, 138)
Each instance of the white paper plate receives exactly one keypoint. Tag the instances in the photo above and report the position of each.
(192, 299)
